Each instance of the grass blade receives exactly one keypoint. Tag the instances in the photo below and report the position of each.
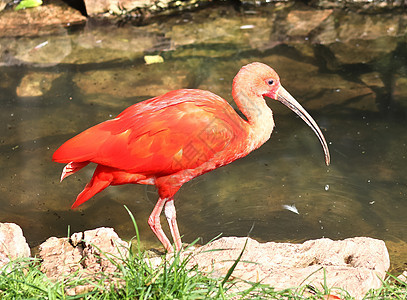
(233, 267)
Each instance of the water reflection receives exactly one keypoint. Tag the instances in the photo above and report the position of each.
(357, 97)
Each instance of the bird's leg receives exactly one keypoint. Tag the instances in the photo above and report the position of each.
(155, 224)
(171, 216)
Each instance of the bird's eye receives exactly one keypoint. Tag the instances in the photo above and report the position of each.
(270, 81)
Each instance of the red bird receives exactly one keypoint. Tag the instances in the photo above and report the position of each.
(170, 139)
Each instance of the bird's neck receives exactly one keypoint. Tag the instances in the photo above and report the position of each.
(259, 116)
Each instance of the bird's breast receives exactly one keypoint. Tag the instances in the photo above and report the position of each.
(260, 129)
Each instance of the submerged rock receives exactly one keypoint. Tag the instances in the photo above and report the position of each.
(41, 51)
(36, 84)
(143, 81)
(400, 90)
(355, 265)
(303, 22)
(12, 243)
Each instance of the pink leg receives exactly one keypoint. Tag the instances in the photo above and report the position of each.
(171, 216)
(155, 224)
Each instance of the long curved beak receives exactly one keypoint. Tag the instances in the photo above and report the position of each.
(284, 97)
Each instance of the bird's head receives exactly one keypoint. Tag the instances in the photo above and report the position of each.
(259, 80)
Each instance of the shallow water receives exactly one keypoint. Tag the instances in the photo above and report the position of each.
(90, 75)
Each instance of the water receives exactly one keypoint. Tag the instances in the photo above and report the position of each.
(353, 85)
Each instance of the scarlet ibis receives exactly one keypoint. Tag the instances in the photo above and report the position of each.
(170, 139)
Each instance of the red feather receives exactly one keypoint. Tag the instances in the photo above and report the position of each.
(173, 133)
(157, 137)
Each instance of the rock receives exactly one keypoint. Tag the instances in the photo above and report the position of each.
(60, 258)
(362, 51)
(50, 18)
(302, 22)
(95, 7)
(355, 264)
(353, 38)
(12, 243)
(213, 30)
(35, 84)
(221, 26)
(40, 51)
(400, 89)
(353, 26)
(146, 81)
(321, 90)
(140, 9)
(363, 5)
(94, 253)
(96, 43)
(403, 276)
(3, 4)
(372, 79)
(100, 242)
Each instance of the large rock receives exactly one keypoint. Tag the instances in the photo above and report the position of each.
(94, 253)
(12, 243)
(94, 7)
(51, 18)
(139, 8)
(355, 264)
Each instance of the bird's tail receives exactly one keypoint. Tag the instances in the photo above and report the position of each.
(98, 183)
(72, 167)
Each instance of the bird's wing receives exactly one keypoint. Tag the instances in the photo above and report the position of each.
(158, 137)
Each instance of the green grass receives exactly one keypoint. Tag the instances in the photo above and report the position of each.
(136, 278)
(22, 279)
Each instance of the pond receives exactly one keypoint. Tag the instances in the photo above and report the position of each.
(348, 70)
